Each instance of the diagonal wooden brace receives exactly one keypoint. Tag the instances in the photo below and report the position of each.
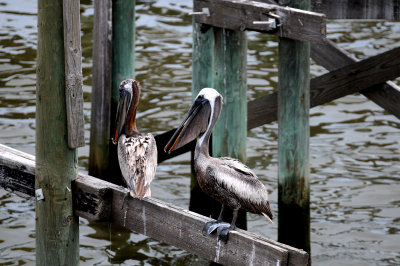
(362, 76)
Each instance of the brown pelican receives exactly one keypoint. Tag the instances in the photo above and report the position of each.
(225, 179)
(137, 153)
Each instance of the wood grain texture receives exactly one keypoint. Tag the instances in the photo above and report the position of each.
(101, 90)
(73, 74)
(162, 221)
(240, 14)
(202, 77)
(57, 228)
(293, 142)
(358, 9)
(229, 137)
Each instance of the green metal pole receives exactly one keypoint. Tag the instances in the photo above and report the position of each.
(57, 229)
(230, 65)
(293, 143)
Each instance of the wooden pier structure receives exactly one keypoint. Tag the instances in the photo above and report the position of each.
(219, 60)
(98, 200)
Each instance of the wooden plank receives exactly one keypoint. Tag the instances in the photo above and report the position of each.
(101, 90)
(240, 14)
(354, 9)
(17, 171)
(57, 228)
(293, 140)
(159, 220)
(343, 81)
(73, 74)
(386, 94)
(358, 9)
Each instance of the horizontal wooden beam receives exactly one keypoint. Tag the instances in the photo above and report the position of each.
(96, 199)
(338, 83)
(358, 9)
(243, 15)
(354, 9)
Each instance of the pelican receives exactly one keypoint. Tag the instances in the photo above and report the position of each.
(137, 153)
(224, 179)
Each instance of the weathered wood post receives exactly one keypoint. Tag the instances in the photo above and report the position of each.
(101, 91)
(123, 66)
(120, 54)
(202, 77)
(57, 229)
(230, 70)
(293, 143)
(219, 61)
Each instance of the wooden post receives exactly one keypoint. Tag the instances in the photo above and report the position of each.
(57, 230)
(230, 65)
(293, 143)
(202, 77)
(101, 90)
(73, 74)
(103, 161)
(123, 67)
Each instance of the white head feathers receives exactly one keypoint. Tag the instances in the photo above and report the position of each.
(210, 94)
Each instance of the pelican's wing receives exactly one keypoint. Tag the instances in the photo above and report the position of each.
(238, 179)
(138, 161)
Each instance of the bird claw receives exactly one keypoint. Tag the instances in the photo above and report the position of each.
(210, 227)
(223, 233)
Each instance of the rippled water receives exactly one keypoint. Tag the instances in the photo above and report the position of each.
(355, 185)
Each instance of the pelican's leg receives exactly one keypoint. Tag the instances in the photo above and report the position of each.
(210, 227)
(223, 232)
(123, 201)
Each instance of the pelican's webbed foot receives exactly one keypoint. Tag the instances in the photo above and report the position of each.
(210, 227)
(223, 233)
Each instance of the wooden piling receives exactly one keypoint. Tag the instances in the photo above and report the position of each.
(123, 67)
(219, 61)
(230, 132)
(57, 230)
(123, 48)
(114, 61)
(202, 77)
(293, 143)
(101, 91)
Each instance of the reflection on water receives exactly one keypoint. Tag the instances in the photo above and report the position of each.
(354, 144)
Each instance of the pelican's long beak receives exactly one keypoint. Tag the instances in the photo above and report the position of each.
(122, 113)
(194, 124)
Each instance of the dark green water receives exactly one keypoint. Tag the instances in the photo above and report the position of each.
(355, 145)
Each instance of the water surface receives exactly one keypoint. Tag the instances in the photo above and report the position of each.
(354, 145)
